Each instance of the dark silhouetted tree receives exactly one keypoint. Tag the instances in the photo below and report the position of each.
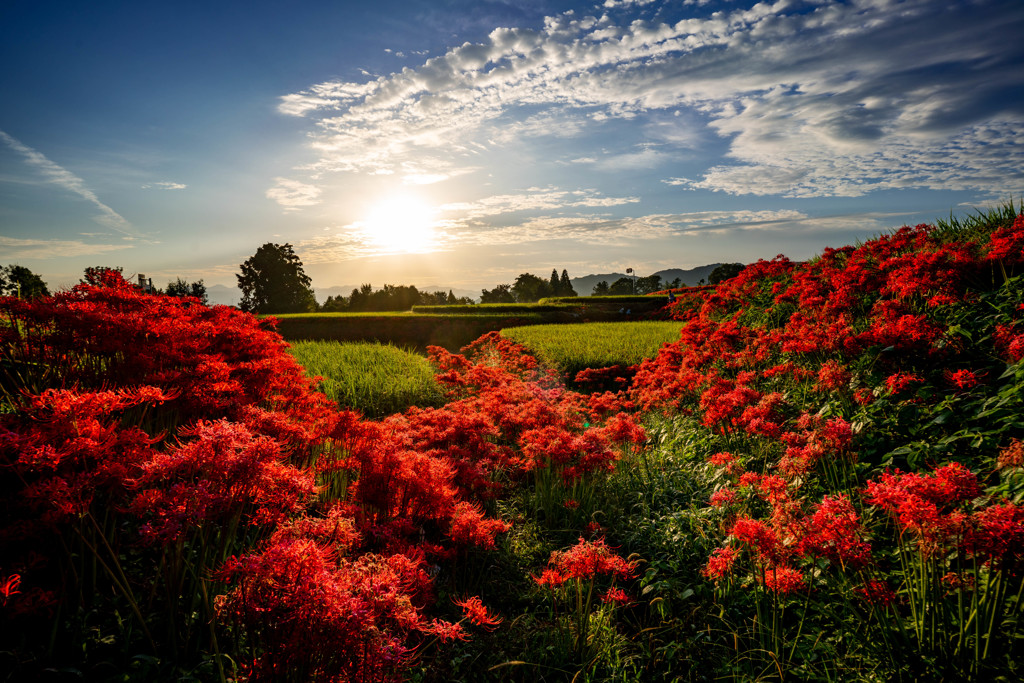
(19, 281)
(554, 283)
(102, 276)
(726, 271)
(600, 289)
(529, 288)
(622, 286)
(502, 294)
(272, 281)
(181, 288)
(565, 285)
(647, 285)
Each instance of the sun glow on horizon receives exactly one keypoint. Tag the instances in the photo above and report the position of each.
(402, 224)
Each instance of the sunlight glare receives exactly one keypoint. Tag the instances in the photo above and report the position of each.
(401, 224)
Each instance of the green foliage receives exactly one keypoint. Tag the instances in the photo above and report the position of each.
(181, 288)
(375, 379)
(529, 288)
(273, 281)
(624, 286)
(724, 272)
(502, 294)
(19, 281)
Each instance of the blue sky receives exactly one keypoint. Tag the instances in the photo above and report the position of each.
(458, 143)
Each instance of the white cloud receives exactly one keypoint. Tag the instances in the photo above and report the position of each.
(164, 186)
(50, 249)
(57, 175)
(533, 199)
(293, 194)
(836, 98)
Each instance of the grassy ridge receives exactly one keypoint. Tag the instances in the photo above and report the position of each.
(375, 379)
(572, 348)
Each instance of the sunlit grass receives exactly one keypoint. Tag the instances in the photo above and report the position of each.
(376, 379)
(575, 347)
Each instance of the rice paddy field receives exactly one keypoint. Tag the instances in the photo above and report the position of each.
(376, 379)
(575, 347)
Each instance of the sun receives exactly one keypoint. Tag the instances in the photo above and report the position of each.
(401, 224)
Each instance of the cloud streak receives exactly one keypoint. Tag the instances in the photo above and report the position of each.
(52, 249)
(57, 175)
(822, 98)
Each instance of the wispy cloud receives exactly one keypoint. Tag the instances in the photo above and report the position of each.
(164, 186)
(828, 99)
(293, 194)
(61, 177)
(52, 249)
(533, 199)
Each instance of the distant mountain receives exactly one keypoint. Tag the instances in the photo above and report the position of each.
(584, 286)
(223, 295)
(689, 278)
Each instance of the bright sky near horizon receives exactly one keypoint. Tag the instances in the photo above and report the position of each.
(458, 143)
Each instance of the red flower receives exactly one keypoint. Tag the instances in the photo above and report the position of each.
(10, 587)
(473, 609)
(720, 563)
(784, 580)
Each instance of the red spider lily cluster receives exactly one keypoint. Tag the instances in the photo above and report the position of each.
(153, 431)
(803, 373)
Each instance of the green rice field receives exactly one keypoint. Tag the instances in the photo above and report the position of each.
(376, 379)
(574, 347)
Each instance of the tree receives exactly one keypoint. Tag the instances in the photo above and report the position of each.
(529, 288)
(647, 285)
(21, 282)
(600, 289)
(725, 271)
(102, 276)
(555, 283)
(624, 285)
(502, 294)
(565, 285)
(180, 288)
(272, 281)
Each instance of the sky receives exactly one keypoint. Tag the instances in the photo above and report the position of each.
(458, 143)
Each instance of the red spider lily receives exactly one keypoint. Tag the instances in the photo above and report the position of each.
(473, 609)
(721, 563)
(588, 559)
(1008, 243)
(616, 596)
(834, 532)
(998, 535)
(876, 593)
(470, 527)
(760, 538)
(10, 587)
(221, 473)
(550, 578)
(331, 618)
(1012, 455)
(722, 498)
(901, 380)
(783, 579)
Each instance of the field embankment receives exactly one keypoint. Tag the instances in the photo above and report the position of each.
(452, 327)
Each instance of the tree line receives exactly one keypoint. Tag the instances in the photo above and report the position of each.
(273, 281)
(21, 282)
